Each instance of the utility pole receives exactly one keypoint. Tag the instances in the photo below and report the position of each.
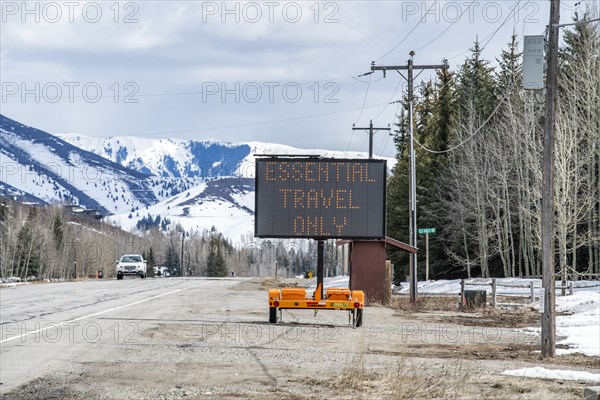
(371, 131)
(75, 260)
(75, 254)
(549, 318)
(182, 263)
(412, 168)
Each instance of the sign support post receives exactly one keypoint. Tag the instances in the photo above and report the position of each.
(426, 256)
(320, 265)
(426, 231)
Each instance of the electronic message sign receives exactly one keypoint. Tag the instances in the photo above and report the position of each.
(320, 198)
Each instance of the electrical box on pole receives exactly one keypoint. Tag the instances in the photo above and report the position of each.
(533, 62)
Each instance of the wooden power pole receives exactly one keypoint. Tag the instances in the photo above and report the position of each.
(548, 283)
(371, 131)
(412, 169)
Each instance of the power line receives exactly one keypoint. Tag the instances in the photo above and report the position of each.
(361, 111)
(358, 80)
(578, 22)
(469, 137)
(391, 98)
(258, 123)
(409, 33)
(515, 9)
(384, 147)
(365, 99)
(201, 92)
(447, 28)
(489, 37)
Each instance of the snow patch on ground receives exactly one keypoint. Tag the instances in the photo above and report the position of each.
(581, 328)
(564, 375)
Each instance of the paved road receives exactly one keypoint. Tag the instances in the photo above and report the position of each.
(49, 327)
(182, 338)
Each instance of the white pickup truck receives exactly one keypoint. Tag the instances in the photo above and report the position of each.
(131, 264)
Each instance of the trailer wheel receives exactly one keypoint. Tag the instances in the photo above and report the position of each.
(359, 317)
(273, 315)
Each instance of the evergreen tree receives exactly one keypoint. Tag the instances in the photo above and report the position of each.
(435, 131)
(58, 230)
(28, 252)
(149, 257)
(4, 240)
(172, 261)
(215, 263)
(398, 196)
(477, 94)
(510, 76)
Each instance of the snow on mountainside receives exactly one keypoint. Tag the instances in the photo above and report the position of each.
(192, 159)
(166, 157)
(226, 203)
(140, 182)
(36, 166)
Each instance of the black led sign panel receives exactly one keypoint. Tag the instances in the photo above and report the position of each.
(320, 198)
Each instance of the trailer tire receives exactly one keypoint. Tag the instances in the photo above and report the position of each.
(359, 317)
(273, 315)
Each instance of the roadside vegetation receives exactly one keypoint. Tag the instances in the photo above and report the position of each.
(481, 188)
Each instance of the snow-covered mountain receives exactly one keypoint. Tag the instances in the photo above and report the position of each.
(38, 167)
(167, 157)
(140, 182)
(225, 203)
(190, 159)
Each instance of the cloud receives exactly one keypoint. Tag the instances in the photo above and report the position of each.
(165, 54)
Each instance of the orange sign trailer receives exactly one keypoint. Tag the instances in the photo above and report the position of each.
(333, 299)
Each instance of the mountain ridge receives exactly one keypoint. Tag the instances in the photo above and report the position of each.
(197, 184)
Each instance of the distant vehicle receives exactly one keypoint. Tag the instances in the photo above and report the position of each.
(131, 264)
(161, 271)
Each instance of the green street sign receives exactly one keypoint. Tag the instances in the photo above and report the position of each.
(426, 230)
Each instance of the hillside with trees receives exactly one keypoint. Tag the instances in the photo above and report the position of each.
(49, 242)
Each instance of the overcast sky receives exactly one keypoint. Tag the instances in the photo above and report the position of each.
(270, 71)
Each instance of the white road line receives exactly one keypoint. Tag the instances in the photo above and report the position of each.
(99, 313)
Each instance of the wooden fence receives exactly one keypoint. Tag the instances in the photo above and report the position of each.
(494, 283)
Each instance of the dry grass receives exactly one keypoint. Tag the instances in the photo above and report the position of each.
(426, 303)
(272, 283)
(418, 382)
(402, 381)
(411, 378)
(355, 375)
(520, 318)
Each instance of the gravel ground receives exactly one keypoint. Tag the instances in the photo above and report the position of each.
(214, 342)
